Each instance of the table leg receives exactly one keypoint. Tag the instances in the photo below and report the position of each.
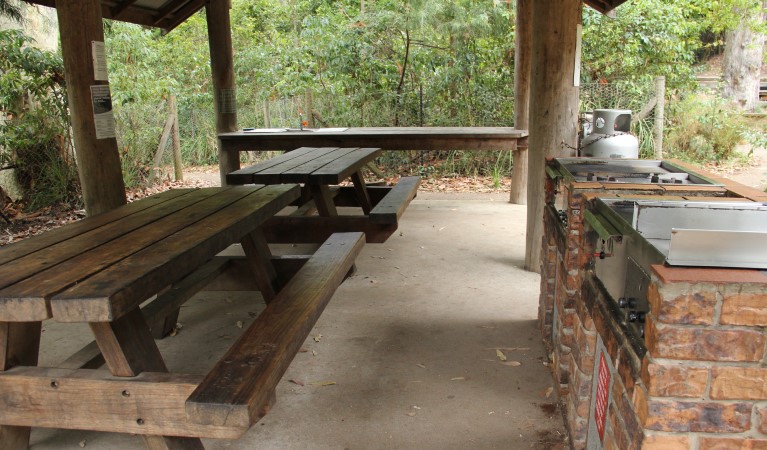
(259, 259)
(363, 197)
(128, 350)
(324, 200)
(19, 346)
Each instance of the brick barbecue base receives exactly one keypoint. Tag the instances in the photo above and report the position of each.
(700, 382)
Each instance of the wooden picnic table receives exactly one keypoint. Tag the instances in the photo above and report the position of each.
(386, 138)
(320, 171)
(100, 271)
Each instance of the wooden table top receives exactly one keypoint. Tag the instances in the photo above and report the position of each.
(96, 269)
(324, 165)
(386, 138)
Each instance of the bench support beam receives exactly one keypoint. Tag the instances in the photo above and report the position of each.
(86, 399)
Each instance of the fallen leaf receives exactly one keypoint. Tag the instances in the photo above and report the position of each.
(317, 338)
(421, 366)
(83, 443)
(512, 363)
(549, 391)
(239, 324)
(300, 383)
(411, 414)
(458, 379)
(252, 314)
(323, 383)
(314, 352)
(500, 355)
(303, 350)
(487, 326)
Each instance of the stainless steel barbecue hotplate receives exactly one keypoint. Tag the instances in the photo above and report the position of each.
(635, 171)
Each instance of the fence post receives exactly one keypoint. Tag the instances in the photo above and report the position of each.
(660, 105)
(267, 115)
(309, 107)
(178, 165)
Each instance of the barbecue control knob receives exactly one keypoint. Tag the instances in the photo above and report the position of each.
(590, 176)
(624, 302)
(636, 316)
(654, 178)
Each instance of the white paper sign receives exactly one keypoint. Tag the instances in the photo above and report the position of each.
(103, 115)
(99, 53)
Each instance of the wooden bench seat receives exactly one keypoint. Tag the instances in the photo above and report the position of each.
(240, 388)
(391, 207)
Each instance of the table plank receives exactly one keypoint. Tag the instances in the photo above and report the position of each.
(90, 236)
(122, 286)
(52, 237)
(301, 174)
(342, 168)
(275, 173)
(245, 175)
(31, 293)
(387, 138)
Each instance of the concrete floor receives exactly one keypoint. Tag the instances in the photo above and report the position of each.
(404, 357)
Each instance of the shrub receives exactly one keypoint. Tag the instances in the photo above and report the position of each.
(703, 130)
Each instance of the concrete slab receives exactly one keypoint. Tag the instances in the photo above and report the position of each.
(405, 354)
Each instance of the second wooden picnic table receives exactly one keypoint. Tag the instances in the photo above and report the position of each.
(320, 171)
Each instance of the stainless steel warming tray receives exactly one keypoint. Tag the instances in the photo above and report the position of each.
(635, 234)
(690, 233)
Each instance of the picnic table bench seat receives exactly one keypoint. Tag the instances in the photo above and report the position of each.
(240, 388)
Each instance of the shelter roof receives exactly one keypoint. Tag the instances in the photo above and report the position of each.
(165, 14)
(604, 6)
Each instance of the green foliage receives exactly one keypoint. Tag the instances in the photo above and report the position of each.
(646, 39)
(704, 130)
(11, 10)
(34, 135)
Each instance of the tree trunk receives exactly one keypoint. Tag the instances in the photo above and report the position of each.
(554, 112)
(522, 66)
(742, 64)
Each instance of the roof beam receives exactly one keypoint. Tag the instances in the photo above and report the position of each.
(182, 14)
(120, 7)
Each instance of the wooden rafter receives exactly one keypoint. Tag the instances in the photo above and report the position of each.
(120, 7)
(165, 15)
(604, 6)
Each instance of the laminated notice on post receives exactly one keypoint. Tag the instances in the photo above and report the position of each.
(103, 116)
(99, 52)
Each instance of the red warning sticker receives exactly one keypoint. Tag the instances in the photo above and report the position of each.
(602, 396)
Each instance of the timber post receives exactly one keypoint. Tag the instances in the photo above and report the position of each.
(660, 106)
(554, 113)
(90, 105)
(222, 71)
(522, 65)
(178, 165)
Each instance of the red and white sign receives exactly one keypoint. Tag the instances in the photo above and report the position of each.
(602, 396)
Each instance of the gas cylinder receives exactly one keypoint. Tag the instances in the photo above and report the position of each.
(610, 135)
